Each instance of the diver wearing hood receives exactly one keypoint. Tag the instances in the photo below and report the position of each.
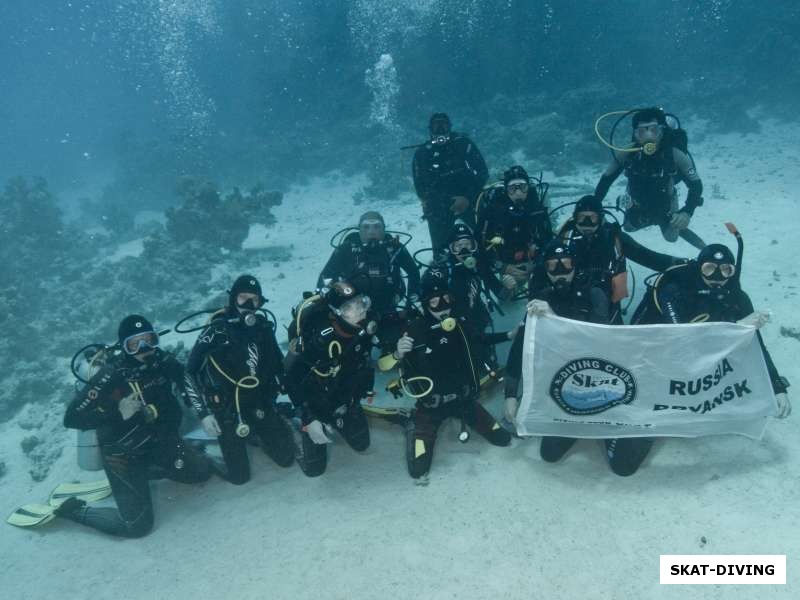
(238, 367)
(601, 248)
(513, 222)
(329, 371)
(470, 280)
(374, 261)
(708, 289)
(470, 276)
(449, 173)
(130, 402)
(653, 172)
(437, 362)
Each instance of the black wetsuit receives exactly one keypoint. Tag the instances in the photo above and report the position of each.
(470, 289)
(376, 269)
(651, 186)
(442, 171)
(682, 297)
(524, 228)
(140, 448)
(446, 358)
(241, 351)
(602, 257)
(328, 372)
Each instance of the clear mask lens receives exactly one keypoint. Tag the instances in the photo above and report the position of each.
(648, 132)
(726, 270)
(355, 310)
(140, 342)
(464, 246)
(514, 188)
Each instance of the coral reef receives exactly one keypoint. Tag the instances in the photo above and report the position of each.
(62, 292)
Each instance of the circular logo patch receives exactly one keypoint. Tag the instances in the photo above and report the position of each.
(588, 386)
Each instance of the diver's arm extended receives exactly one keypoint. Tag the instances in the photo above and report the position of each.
(778, 383)
(610, 175)
(645, 256)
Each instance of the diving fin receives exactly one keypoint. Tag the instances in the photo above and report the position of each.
(31, 515)
(399, 416)
(88, 492)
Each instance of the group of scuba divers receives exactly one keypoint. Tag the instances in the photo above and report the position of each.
(491, 244)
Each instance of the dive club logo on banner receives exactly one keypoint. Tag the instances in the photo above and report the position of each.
(584, 380)
(587, 386)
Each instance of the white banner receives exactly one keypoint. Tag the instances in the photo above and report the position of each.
(597, 381)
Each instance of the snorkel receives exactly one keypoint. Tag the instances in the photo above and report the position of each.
(739, 252)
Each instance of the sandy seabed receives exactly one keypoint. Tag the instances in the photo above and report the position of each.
(491, 522)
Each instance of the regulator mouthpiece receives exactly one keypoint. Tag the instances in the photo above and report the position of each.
(249, 319)
(449, 324)
(650, 148)
(242, 430)
(470, 262)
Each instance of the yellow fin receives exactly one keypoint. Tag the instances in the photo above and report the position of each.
(419, 448)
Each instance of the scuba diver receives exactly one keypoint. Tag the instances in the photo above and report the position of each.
(449, 172)
(514, 224)
(708, 289)
(654, 163)
(328, 371)
(131, 404)
(238, 369)
(470, 280)
(570, 294)
(437, 364)
(600, 249)
(374, 262)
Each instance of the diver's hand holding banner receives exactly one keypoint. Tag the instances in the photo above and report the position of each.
(597, 381)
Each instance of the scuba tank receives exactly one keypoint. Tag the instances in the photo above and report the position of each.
(88, 448)
(89, 456)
